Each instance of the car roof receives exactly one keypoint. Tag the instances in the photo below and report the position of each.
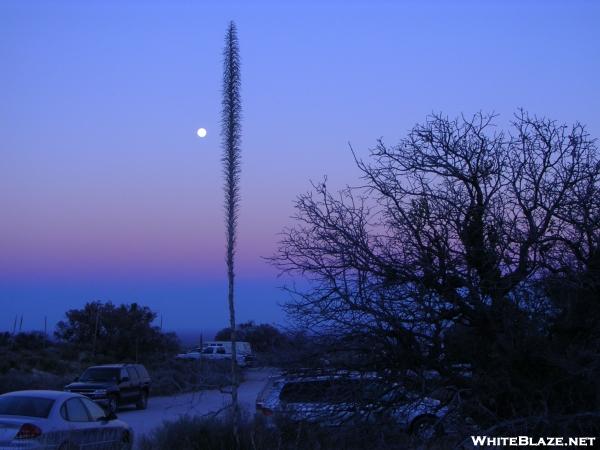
(323, 375)
(52, 395)
(114, 366)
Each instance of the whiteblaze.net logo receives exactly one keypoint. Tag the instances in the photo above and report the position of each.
(526, 441)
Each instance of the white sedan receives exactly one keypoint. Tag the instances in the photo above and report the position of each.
(59, 420)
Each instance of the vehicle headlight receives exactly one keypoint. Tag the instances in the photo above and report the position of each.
(100, 392)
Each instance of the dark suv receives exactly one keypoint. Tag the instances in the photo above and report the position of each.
(112, 385)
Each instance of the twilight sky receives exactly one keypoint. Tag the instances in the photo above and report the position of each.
(107, 193)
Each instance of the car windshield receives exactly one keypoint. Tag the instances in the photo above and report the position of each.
(25, 406)
(100, 374)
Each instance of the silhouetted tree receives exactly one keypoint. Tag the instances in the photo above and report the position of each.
(125, 332)
(442, 258)
(262, 337)
(231, 133)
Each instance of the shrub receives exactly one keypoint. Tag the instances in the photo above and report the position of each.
(19, 380)
(210, 433)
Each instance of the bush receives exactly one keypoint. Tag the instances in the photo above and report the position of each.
(32, 351)
(202, 433)
(262, 337)
(123, 332)
(19, 380)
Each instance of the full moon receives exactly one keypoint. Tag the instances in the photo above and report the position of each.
(201, 132)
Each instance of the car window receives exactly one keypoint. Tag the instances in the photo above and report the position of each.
(74, 411)
(25, 406)
(133, 376)
(124, 374)
(208, 351)
(221, 351)
(95, 411)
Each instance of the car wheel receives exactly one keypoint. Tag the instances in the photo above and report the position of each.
(113, 404)
(142, 402)
(426, 427)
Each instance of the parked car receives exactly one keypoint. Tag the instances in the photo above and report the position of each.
(332, 400)
(113, 385)
(221, 350)
(43, 420)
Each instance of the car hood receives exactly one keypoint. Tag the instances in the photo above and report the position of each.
(90, 385)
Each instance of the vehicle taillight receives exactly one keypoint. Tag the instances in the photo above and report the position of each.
(28, 431)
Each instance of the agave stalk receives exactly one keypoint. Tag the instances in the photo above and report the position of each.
(231, 135)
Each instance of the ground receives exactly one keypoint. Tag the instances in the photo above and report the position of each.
(170, 408)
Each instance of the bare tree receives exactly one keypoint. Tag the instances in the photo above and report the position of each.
(450, 236)
(231, 133)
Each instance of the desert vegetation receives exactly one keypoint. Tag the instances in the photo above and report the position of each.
(102, 333)
(208, 433)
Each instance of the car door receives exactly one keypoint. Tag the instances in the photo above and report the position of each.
(126, 390)
(144, 376)
(135, 388)
(82, 431)
(221, 353)
(108, 434)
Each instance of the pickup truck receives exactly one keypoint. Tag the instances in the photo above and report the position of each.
(221, 350)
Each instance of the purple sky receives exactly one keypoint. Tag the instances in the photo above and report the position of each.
(107, 193)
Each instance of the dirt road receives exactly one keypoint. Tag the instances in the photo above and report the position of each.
(198, 403)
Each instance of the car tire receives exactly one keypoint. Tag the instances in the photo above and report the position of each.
(426, 427)
(142, 402)
(113, 404)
